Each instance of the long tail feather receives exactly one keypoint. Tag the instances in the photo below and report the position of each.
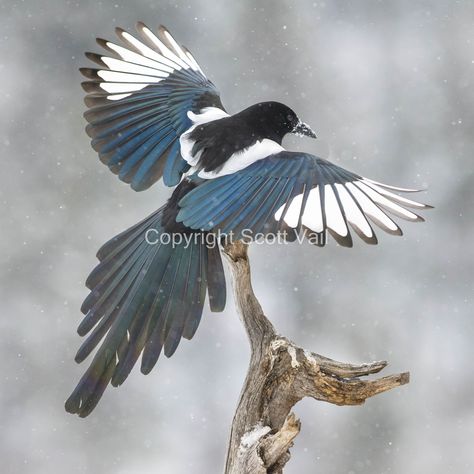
(144, 298)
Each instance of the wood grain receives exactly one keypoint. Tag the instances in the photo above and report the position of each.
(279, 375)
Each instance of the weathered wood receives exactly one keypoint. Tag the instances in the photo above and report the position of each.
(279, 375)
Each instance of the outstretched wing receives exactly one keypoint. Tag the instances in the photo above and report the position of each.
(296, 191)
(139, 99)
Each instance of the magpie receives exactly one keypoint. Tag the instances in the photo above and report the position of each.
(153, 114)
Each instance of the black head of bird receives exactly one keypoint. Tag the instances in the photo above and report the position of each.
(273, 120)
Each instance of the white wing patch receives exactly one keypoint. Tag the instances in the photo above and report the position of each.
(372, 210)
(334, 218)
(353, 203)
(292, 215)
(207, 114)
(124, 66)
(313, 217)
(353, 214)
(141, 65)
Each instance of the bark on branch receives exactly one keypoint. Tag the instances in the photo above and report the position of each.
(279, 375)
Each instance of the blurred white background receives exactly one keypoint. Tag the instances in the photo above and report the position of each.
(388, 88)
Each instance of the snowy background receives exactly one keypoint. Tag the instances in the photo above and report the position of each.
(388, 87)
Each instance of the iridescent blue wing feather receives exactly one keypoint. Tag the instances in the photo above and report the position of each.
(290, 192)
(139, 99)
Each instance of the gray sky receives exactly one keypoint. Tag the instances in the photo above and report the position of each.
(388, 88)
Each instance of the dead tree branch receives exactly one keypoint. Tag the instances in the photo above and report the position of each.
(279, 375)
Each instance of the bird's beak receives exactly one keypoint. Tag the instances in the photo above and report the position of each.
(303, 130)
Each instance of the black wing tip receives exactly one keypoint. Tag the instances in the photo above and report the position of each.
(72, 404)
(148, 363)
(90, 389)
(315, 238)
(80, 357)
(162, 30)
(89, 86)
(96, 58)
(186, 50)
(86, 306)
(89, 72)
(171, 344)
(103, 43)
(86, 348)
(89, 101)
(368, 240)
(140, 25)
(398, 232)
(82, 329)
(121, 374)
(75, 406)
(78, 404)
(145, 370)
(140, 186)
(91, 133)
(342, 240)
(217, 305)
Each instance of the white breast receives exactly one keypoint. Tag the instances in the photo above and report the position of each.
(240, 160)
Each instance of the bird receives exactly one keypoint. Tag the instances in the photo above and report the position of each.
(154, 115)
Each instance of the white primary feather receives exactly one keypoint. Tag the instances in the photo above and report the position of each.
(194, 63)
(117, 87)
(394, 188)
(145, 65)
(334, 217)
(177, 49)
(131, 80)
(136, 58)
(124, 66)
(394, 197)
(114, 76)
(117, 96)
(278, 213)
(313, 216)
(358, 201)
(292, 215)
(352, 211)
(371, 209)
(383, 201)
(164, 50)
(172, 60)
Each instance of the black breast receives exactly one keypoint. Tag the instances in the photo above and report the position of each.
(220, 139)
(168, 221)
